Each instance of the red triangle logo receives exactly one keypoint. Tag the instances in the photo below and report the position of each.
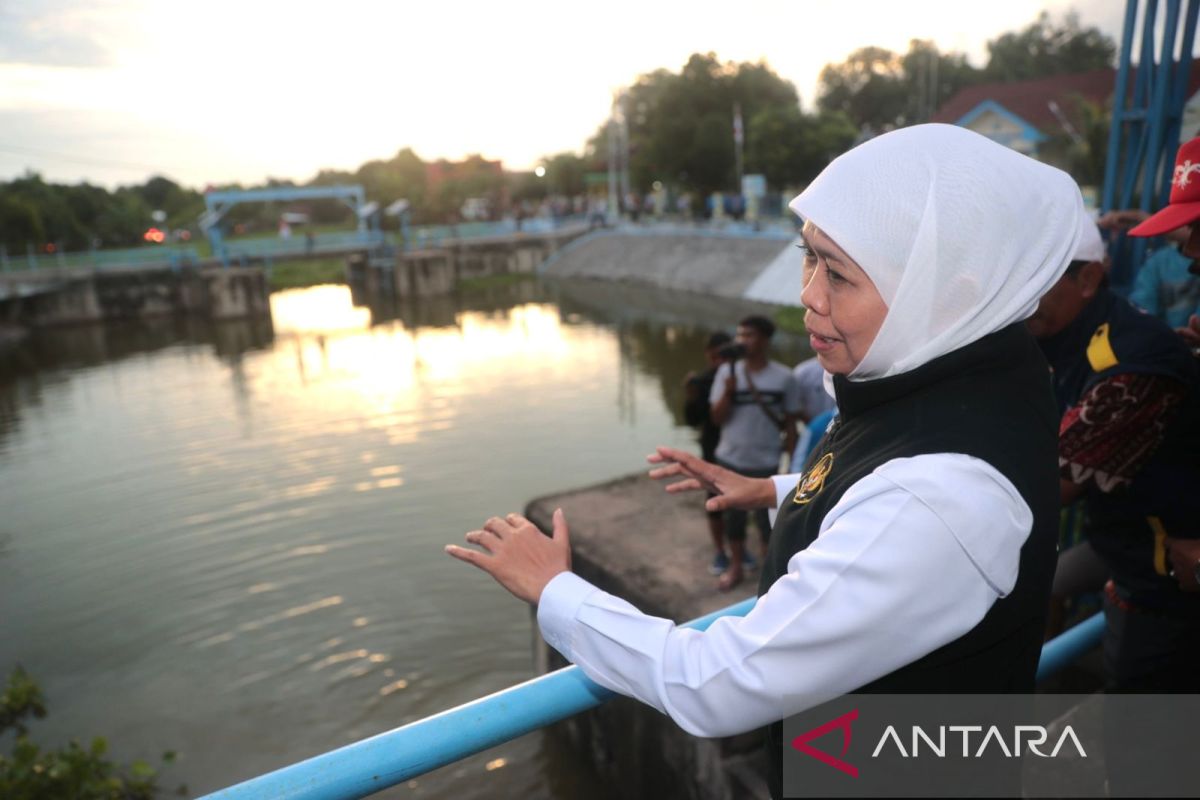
(842, 723)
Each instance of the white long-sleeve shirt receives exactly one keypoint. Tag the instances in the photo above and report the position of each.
(909, 559)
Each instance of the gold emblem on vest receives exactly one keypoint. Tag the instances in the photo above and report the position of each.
(813, 480)
(1100, 353)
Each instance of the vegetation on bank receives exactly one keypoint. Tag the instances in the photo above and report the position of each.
(300, 272)
(80, 772)
(791, 319)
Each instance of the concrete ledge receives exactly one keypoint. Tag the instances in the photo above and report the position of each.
(65, 298)
(631, 538)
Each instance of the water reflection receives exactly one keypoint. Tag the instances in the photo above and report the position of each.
(226, 538)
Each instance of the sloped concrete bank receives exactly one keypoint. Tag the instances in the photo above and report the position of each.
(723, 265)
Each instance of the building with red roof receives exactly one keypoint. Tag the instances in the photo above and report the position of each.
(1041, 117)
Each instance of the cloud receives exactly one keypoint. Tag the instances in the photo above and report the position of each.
(54, 34)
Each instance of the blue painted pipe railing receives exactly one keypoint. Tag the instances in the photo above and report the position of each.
(1066, 648)
(374, 764)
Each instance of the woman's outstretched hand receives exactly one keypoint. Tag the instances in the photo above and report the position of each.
(731, 489)
(520, 557)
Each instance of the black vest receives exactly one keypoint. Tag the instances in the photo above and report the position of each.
(992, 400)
(1112, 337)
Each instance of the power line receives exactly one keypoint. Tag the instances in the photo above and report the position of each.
(21, 150)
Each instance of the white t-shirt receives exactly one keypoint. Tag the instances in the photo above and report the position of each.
(810, 385)
(749, 439)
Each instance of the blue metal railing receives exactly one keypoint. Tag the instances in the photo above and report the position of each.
(169, 256)
(241, 251)
(374, 764)
(1068, 646)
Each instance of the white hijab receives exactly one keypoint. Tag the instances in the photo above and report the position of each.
(960, 235)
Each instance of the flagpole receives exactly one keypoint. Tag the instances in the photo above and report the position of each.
(737, 144)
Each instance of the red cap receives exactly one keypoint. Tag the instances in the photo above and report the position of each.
(1184, 205)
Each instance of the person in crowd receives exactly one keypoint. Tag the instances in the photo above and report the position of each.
(696, 412)
(810, 382)
(1167, 284)
(815, 402)
(1128, 391)
(1080, 572)
(915, 553)
(754, 401)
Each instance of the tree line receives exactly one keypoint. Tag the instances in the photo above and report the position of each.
(677, 131)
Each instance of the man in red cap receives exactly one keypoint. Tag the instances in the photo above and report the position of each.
(1168, 284)
(1183, 210)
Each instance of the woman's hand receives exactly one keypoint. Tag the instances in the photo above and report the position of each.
(1122, 220)
(732, 490)
(520, 557)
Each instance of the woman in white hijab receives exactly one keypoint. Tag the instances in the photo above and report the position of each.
(915, 552)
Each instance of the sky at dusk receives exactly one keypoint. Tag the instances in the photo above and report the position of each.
(113, 91)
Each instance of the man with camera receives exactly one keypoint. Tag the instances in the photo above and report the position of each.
(755, 401)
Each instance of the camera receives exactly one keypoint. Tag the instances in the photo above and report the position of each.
(732, 351)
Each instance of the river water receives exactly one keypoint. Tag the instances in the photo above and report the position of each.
(226, 539)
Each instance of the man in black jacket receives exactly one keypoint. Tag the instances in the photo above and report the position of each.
(696, 412)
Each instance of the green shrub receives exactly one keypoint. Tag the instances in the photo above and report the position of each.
(791, 319)
(76, 771)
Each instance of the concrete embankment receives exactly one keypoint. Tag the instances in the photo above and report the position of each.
(434, 272)
(63, 297)
(761, 267)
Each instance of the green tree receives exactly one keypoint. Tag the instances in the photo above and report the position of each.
(564, 173)
(1087, 152)
(182, 206)
(327, 211)
(790, 147)
(526, 186)
(1045, 48)
(681, 125)
(20, 224)
(57, 221)
(400, 177)
(868, 87)
(931, 77)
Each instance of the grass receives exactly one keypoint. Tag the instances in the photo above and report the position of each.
(791, 319)
(295, 273)
(494, 281)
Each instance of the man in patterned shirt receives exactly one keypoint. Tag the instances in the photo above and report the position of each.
(1129, 393)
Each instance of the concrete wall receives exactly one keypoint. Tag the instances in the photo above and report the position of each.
(726, 266)
(436, 272)
(632, 539)
(764, 268)
(63, 298)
